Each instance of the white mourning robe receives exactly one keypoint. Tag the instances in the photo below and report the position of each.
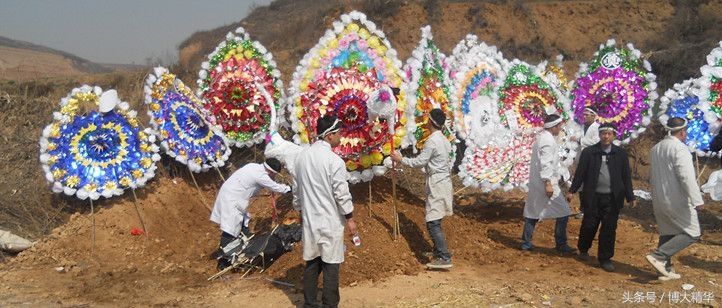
(590, 137)
(675, 192)
(324, 199)
(436, 159)
(545, 165)
(233, 197)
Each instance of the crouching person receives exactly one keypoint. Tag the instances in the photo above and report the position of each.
(230, 210)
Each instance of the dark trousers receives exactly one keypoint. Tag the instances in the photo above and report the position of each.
(225, 239)
(604, 211)
(560, 232)
(441, 249)
(330, 296)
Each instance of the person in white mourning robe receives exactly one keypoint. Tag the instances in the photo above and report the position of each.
(676, 198)
(230, 209)
(590, 136)
(326, 206)
(437, 159)
(545, 199)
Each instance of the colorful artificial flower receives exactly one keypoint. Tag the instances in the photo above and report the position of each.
(339, 76)
(95, 147)
(182, 128)
(428, 87)
(242, 89)
(620, 85)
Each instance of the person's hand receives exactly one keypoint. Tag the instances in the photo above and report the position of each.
(569, 197)
(549, 189)
(396, 156)
(351, 225)
(699, 207)
(574, 138)
(633, 203)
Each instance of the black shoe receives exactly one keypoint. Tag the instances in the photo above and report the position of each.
(607, 265)
(584, 256)
(565, 249)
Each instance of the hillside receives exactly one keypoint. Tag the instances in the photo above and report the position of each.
(24, 61)
(674, 35)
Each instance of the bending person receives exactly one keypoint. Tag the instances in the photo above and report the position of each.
(230, 210)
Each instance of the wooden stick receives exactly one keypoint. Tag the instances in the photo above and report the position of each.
(397, 231)
(700, 174)
(200, 193)
(370, 201)
(140, 217)
(696, 162)
(92, 216)
(460, 190)
(220, 173)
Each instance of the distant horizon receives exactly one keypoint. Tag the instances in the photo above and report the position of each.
(118, 32)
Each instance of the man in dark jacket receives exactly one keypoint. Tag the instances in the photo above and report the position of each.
(604, 172)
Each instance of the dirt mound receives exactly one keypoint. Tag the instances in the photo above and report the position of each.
(181, 239)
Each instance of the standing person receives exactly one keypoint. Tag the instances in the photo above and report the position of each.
(230, 210)
(326, 206)
(604, 172)
(436, 157)
(545, 199)
(676, 197)
(590, 136)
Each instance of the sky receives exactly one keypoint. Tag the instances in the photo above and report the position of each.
(117, 31)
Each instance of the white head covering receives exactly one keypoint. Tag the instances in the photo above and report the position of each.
(552, 123)
(332, 129)
(674, 129)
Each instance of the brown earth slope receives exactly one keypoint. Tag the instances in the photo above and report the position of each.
(25, 61)
(674, 35)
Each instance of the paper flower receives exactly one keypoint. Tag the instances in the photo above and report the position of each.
(180, 125)
(338, 76)
(474, 93)
(620, 85)
(95, 146)
(428, 88)
(708, 88)
(493, 166)
(681, 101)
(232, 83)
(526, 98)
(460, 53)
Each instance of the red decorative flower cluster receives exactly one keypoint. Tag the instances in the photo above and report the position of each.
(344, 93)
(234, 99)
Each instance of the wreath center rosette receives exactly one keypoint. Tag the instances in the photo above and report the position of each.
(94, 146)
(177, 118)
(233, 83)
(342, 76)
(620, 85)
